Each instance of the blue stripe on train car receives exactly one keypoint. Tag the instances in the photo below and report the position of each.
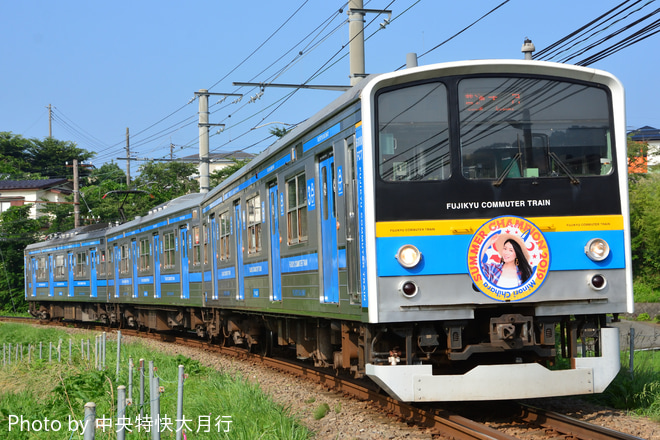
(256, 269)
(195, 277)
(170, 278)
(447, 254)
(146, 280)
(226, 273)
(300, 263)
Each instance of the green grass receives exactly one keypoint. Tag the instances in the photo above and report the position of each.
(646, 292)
(637, 392)
(59, 391)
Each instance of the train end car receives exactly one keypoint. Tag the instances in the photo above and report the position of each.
(497, 239)
(61, 277)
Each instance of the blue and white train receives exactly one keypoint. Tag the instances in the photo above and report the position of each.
(455, 231)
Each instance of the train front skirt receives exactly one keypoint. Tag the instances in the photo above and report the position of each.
(416, 383)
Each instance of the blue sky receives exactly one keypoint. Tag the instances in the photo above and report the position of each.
(106, 66)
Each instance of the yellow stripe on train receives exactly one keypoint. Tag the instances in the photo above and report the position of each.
(463, 227)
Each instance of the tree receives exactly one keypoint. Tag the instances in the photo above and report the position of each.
(279, 132)
(645, 227)
(166, 181)
(14, 158)
(100, 181)
(218, 176)
(17, 230)
(50, 157)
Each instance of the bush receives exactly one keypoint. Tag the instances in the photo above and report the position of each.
(645, 291)
(643, 317)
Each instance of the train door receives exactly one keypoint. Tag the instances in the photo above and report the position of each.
(276, 268)
(71, 261)
(51, 276)
(352, 255)
(93, 287)
(134, 264)
(118, 262)
(185, 268)
(214, 257)
(34, 275)
(329, 253)
(240, 294)
(156, 253)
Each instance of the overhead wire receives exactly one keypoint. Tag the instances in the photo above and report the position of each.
(547, 52)
(576, 43)
(191, 120)
(460, 32)
(596, 27)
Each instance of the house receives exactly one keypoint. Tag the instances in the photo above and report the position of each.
(37, 192)
(651, 136)
(217, 161)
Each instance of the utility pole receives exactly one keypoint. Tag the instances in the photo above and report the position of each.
(50, 121)
(204, 185)
(76, 195)
(203, 95)
(356, 15)
(128, 160)
(356, 40)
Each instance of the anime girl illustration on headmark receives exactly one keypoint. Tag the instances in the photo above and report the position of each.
(513, 268)
(508, 258)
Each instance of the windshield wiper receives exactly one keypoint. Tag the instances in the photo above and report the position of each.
(564, 168)
(506, 171)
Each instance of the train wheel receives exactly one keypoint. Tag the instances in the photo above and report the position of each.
(261, 345)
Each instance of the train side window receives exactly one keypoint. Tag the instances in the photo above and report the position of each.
(205, 236)
(254, 224)
(81, 264)
(223, 236)
(101, 262)
(145, 255)
(296, 209)
(60, 265)
(124, 258)
(42, 268)
(169, 250)
(197, 248)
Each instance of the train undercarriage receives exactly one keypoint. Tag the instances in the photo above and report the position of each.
(450, 347)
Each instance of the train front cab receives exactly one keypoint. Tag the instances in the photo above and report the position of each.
(541, 160)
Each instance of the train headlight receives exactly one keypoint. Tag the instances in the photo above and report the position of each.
(597, 249)
(408, 256)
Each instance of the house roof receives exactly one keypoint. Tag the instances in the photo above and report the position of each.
(645, 133)
(62, 184)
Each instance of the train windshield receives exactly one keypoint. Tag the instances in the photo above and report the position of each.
(530, 127)
(413, 133)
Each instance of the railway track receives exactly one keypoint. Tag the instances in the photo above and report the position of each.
(533, 421)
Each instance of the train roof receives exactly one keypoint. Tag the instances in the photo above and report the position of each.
(295, 135)
(183, 203)
(83, 233)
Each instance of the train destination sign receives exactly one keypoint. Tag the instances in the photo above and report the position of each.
(477, 101)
